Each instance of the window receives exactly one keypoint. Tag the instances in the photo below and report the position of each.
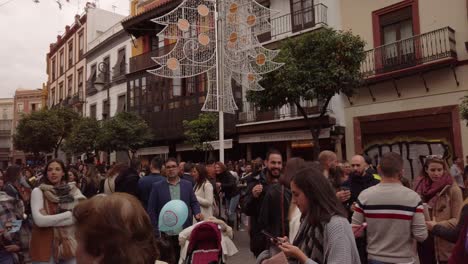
(81, 45)
(120, 66)
(53, 99)
(70, 54)
(92, 76)
(92, 111)
(393, 28)
(106, 70)
(105, 109)
(176, 87)
(62, 62)
(34, 107)
(70, 85)
(302, 14)
(80, 81)
(5, 113)
(54, 65)
(131, 92)
(20, 107)
(121, 103)
(61, 91)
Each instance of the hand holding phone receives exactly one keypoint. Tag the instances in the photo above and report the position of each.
(359, 229)
(273, 239)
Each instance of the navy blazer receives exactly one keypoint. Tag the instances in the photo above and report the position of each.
(145, 184)
(160, 195)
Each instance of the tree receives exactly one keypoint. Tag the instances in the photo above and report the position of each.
(83, 137)
(44, 131)
(35, 133)
(63, 119)
(124, 132)
(317, 66)
(199, 132)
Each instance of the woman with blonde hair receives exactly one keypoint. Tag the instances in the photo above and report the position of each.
(444, 200)
(114, 229)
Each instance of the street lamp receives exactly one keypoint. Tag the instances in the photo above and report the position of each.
(102, 82)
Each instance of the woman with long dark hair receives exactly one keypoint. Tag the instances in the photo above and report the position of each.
(203, 190)
(444, 200)
(228, 185)
(53, 236)
(325, 235)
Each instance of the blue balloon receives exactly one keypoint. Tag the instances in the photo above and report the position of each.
(172, 217)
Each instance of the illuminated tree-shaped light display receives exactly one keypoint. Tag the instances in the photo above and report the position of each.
(217, 38)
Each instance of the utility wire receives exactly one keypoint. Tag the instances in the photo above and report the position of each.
(6, 2)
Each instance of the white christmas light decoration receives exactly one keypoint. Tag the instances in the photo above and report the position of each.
(217, 38)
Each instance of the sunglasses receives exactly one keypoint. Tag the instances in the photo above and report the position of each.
(437, 157)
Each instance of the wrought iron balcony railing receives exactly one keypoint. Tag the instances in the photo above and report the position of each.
(284, 25)
(425, 48)
(285, 112)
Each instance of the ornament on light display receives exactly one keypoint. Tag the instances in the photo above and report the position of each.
(193, 26)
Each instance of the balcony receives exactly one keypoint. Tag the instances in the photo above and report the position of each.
(286, 25)
(77, 98)
(119, 71)
(418, 53)
(284, 113)
(144, 61)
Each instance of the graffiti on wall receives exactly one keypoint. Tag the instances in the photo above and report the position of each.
(414, 153)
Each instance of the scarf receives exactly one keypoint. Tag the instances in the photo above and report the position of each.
(309, 240)
(58, 199)
(429, 189)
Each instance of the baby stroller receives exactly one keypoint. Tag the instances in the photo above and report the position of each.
(205, 245)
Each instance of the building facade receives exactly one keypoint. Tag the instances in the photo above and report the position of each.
(6, 130)
(107, 64)
(165, 103)
(66, 67)
(25, 102)
(416, 72)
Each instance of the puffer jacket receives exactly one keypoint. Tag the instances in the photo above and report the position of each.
(446, 212)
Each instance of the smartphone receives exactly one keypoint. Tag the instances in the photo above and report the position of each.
(271, 237)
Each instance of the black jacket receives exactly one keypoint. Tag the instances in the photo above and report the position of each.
(358, 183)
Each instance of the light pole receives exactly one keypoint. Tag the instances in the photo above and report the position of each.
(101, 83)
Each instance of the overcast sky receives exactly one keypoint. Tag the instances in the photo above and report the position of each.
(27, 29)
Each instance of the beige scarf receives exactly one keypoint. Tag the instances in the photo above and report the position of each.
(58, 199)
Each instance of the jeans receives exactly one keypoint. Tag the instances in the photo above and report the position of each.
(232, 207)
(52, 261)
(6, 257)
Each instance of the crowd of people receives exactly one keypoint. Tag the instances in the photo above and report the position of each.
(326, 211)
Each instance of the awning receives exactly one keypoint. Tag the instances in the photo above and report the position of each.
(214, 144)
(282, 136)
(153, 151)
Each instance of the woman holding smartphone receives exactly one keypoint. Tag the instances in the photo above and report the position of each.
(325, 235)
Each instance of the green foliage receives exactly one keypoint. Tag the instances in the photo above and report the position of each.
(124, 132)
(317, 66)
(45, 130)
(464, 109)
(201, 130)
(83, 137)
(36, 133)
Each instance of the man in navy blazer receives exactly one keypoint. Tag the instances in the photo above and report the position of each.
(173, 188)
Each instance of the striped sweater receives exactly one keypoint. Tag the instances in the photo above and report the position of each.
(395, 219)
